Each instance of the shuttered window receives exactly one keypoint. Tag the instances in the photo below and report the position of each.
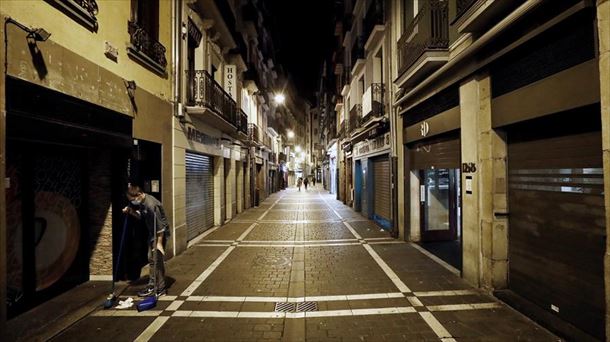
(199, 194)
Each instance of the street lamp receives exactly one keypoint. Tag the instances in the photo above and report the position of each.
(279, 98)
(298, 149)
(290, 134)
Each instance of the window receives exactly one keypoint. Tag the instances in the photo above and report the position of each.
(145, 13)
(144, 34)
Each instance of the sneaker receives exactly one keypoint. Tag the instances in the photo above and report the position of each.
(147, 291)
(161, 292)
(150, 290)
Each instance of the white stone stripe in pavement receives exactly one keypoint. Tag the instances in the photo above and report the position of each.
(415, 301)
(402, 287)
(463, 307)
(175, 305)
(310, 314)
(206, 273)
(151, 329)
(295, 299)
(201, 236)
(352, 230)
(445, 293)
(437, 259)
(435, 325)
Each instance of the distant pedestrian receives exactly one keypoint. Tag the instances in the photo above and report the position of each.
(299, 182)
(313, 180)
(306, 182)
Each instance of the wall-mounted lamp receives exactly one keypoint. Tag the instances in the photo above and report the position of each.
(131, 88)
(38, 34)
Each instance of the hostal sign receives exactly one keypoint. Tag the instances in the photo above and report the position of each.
(371, 146)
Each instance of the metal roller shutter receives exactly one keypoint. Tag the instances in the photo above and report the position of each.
(438, 153)
(199, 194)
(557, 226)
(381, 188)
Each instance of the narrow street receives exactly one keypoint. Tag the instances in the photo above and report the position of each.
(302, 266)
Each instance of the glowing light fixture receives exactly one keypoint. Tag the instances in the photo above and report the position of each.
(279, 98)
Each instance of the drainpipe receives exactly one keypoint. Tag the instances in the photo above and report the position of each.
(176, 45)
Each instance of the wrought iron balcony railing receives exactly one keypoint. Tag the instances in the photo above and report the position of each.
(355, 114)
(84, 11)
(429, 30)
(254, 133)
(145, 48)
(373, 102)
(242, 122)
(204, 91)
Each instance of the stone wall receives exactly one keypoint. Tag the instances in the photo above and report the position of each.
(100, 213)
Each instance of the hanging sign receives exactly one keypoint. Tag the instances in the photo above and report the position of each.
(231, 81)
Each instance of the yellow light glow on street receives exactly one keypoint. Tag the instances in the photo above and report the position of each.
(279, 98)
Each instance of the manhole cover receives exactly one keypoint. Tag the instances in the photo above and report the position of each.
(285, 307)
(272, 260)
(307, 306)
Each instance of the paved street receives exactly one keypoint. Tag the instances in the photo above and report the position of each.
(302, 266)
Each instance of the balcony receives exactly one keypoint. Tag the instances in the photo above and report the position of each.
(257, 136)
(84, 11)
(373, 102)
(374, 17)
(423, 46)
(357, 51)
(242, 122)
(146, 50)
(355, 114)
(208, 98)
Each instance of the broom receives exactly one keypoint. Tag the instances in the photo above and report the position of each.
(150, 302)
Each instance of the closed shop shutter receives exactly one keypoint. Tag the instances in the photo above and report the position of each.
(557, 226)
(438, 153)
(381, 188)
(199, 194)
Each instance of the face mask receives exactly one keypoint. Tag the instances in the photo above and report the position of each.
(136, 202)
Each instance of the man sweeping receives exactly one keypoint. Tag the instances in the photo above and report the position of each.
(149, 210)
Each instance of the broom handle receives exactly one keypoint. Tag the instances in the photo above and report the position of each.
(154, 271)
(118, 261)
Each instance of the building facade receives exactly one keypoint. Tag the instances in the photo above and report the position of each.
(82, 117)
(176, 96)
(496, 114)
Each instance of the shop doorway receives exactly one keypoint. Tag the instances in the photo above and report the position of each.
(435, 162)
(440, 214)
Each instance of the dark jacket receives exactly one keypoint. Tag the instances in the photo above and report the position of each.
(151, 209)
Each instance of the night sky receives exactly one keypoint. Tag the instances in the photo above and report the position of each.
(303, 35)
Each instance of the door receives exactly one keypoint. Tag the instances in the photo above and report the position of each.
(358, 186)
(439, 203)
(381, 192)
(199, 194)
(557, 232)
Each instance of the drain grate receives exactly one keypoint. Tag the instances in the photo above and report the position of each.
(307, 306)
(285, 307)
(296, 307)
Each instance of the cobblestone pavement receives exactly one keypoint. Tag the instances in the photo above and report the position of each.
(303, 266)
